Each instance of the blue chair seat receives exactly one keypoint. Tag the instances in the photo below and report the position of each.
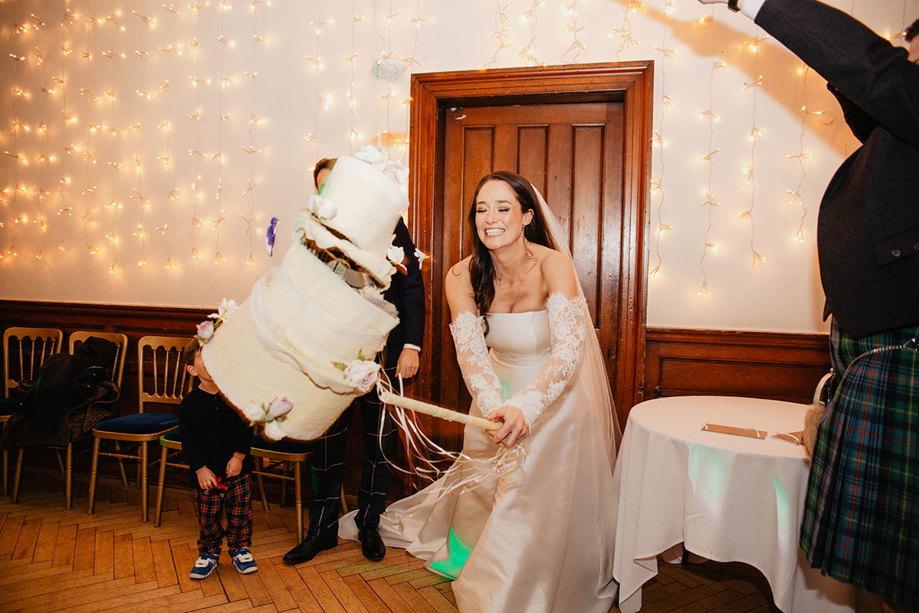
(8, 406)
(139, 423)
(174, 435)
(282, 446)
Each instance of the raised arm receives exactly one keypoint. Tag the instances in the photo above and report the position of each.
(863, 66)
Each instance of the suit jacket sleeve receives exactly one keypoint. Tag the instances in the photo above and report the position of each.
(412, 309)
(864, 67)
(188, 429)
(860, 122)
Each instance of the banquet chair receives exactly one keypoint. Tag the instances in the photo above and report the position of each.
(161, 380)
(271, 460)
(24, 352)
(116, 371)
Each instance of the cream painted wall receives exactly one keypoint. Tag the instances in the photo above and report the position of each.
(73, 204)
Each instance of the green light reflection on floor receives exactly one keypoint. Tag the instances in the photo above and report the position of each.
(453, 564)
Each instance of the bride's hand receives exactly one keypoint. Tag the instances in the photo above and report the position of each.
(513, 430)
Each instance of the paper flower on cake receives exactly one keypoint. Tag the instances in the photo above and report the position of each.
(321, 208)
(360, 374)
(421, 256)
(278, 408)
(395, 170)
(270, 236)
(224, 310)
(205, 330)
(273, 413)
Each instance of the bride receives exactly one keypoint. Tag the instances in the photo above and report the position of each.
(538, 538)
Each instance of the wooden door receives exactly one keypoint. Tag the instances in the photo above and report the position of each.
(572, 153)
(582, 135)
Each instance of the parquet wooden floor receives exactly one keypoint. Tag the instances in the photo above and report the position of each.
(52, 559)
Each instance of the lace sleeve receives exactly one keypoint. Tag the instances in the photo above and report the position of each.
(567, 326)
(472, 355)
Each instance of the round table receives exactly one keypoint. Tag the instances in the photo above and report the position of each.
(725, 497)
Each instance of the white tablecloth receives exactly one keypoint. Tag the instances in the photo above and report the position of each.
(726, 498)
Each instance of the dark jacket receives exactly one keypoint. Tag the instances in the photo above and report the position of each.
(406, 293)
(868, 226)
(71, 394)
(212, 432)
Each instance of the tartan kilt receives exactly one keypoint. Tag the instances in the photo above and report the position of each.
(861, 516)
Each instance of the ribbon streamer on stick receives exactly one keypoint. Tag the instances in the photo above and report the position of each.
(418, 406)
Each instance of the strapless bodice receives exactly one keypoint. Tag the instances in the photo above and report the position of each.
(518, 339)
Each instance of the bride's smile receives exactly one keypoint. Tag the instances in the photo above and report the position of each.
(499, 218)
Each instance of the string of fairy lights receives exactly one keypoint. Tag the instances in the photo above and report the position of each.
(502, 33)
(755, 134)
(709, 244)
(658, 142)
(166, 168)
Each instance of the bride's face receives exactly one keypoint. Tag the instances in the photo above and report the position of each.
(499, 218)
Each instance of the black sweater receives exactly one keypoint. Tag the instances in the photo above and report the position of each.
(212, 432)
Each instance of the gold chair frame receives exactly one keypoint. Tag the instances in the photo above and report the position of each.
(49, 341)
(76, 338)
(169, 385)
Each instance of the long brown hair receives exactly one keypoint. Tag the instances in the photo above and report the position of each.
(481, 268)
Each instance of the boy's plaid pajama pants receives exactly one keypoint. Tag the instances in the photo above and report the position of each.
(235, 500)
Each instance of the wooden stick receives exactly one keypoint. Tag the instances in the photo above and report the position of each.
(432, 409)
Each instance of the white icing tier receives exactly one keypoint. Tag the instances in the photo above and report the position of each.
(368, 204)
(284, 341)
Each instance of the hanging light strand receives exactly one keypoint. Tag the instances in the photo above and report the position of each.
(802, 157)
(253, 149)
(19, 129)
(317, 66)
(65, 211)
(222, 83)
(502, 32)
(88, 192)
(657, 185)
(624, 31)
(412, 61)
(137, 193)
(43, 160)
(195, 116)
(354, 135)
(755, 134)
(529, 52)
(114, 163)
(576, 47)
(709, 244)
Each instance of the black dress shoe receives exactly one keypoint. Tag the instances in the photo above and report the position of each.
(372, 544)
(311, 545)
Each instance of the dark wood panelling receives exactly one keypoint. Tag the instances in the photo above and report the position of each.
(677, 361)
(135, 321)
(774, 365)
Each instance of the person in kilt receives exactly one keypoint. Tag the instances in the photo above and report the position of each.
(861, 517)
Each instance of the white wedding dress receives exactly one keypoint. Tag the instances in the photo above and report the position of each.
(538, 538)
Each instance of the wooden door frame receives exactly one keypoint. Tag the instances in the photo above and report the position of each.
(631, 83)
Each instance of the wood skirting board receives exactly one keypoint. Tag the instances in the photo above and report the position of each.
(678, 361)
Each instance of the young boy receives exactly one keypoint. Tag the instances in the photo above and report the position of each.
(215, 441)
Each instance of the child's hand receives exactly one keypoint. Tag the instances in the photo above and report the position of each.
(235, 465)
(206, 478)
